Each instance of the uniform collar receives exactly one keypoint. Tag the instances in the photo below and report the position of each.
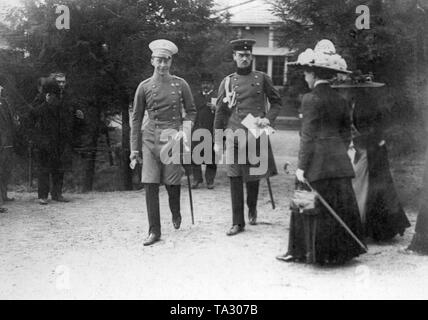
(244, 71)
(166, 78)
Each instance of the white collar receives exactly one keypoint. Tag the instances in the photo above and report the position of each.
(320, 82)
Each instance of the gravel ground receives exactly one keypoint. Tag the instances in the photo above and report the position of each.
(92, 248)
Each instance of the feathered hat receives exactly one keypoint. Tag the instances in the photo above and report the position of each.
(323, 56)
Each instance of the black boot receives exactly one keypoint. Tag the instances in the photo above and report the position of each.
(174, 204)
(237, 193)
(252, 195)
(153, 212)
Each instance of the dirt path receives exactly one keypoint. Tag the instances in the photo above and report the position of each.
(92, 248)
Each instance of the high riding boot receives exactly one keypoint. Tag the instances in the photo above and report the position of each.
(210, 173)
(197, 176)
(237, 193)
(252, 195)
(153, 212)
(174, 204)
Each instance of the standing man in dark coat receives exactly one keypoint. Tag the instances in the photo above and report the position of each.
(68, 100)
(52, 139)
(7, 131)
(205, 104)
(240, 94)
(163, 96)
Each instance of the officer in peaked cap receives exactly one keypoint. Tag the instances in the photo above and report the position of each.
(163, 96)
(240, 94)
(243, 44)
(163, 48)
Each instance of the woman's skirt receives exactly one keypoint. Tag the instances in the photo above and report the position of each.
(333, 245)
(385, 217)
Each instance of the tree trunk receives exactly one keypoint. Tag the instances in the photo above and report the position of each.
(126, 171)
(420, 239)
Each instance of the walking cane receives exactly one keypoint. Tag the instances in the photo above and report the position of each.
(338, 219)
(270, 193)
(190, 193)
(189, 187)
(186, 149)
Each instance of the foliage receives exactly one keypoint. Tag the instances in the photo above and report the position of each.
(105, 52)
(394, 48)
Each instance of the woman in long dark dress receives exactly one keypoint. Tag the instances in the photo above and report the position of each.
(382, 215)
(324, 163)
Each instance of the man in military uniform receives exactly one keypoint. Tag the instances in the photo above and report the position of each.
(205, 105)
(248, 90)
(7, 129)
(163, 96)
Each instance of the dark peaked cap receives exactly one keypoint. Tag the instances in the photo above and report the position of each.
(242, 44)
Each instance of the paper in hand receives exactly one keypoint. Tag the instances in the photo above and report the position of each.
(251, 124)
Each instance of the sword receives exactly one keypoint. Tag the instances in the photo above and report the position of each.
(338, 219)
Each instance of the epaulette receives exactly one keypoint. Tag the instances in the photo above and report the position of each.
(260, 72)
(147, 80)
(177, 78)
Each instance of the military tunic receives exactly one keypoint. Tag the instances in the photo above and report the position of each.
(164, 101)
(251, 92)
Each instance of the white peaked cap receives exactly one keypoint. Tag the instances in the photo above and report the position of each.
(163, 48)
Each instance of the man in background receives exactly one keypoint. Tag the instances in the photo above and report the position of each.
(205, 104)
(52, 140)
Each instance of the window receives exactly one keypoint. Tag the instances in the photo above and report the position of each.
(278, 70)
(262, 63)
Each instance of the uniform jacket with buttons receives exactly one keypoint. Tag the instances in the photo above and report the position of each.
(251, 93)
(165, 102)
(325, 135)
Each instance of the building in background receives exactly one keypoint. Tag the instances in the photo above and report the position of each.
(254, 19)
(3, 10)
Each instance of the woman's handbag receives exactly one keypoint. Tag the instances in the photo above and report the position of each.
(304, 202)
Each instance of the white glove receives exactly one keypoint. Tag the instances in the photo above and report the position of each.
(300, 175)
(263, 122)
(133, 155)
(382, 143)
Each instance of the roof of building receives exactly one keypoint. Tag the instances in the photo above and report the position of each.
(247, 12)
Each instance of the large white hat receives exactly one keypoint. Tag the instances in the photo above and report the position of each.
(323, 56)
(163, 48)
